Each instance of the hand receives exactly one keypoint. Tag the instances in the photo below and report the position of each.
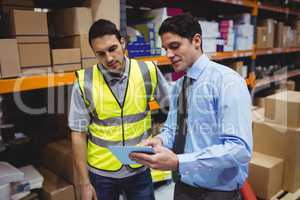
(88, 192)
(163, 159)
(153, 142)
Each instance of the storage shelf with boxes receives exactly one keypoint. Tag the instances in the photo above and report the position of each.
(276, 132)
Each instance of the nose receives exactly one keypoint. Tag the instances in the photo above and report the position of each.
(170, 53)
(109, 57)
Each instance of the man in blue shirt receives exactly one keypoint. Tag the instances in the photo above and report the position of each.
(217, 144)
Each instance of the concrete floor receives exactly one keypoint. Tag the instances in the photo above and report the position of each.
(165, 191)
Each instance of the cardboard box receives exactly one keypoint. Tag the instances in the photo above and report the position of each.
(89, 62)
(258, 114)
(285, 42)
(265, 175)
(281, 142)
(71, 21)
(22, 23)
(6, 19)
(54, 187)
(237, 66)
(259, 102)
(61, 161)
(34, 55)
(298, 40)
(279, 28)
(283, 108)
(64, 60)
(261, 37)
(297, 26)
(270, 24)
(9, 58)
(79, 41)
(103, 10)
(290, 85)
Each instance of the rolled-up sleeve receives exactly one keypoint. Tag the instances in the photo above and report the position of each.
(79, 118)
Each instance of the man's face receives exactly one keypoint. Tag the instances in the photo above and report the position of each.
(110, 52)
(181, 51)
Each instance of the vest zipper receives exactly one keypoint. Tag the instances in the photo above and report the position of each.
(123, 135)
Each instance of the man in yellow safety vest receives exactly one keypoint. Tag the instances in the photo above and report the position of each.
(110, 106)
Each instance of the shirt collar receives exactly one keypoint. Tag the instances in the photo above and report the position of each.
(109, 77)
(197, 68)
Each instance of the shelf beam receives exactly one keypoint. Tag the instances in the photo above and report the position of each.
(266, 81)
(159, 60)
(245, 3)
(278, 9)
(269, 51)
(36, 82)
(229, 55)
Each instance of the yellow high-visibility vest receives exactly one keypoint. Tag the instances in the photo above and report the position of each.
(113, 123)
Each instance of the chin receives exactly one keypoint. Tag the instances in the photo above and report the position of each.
(179, 68)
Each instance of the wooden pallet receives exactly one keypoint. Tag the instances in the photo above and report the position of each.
(283, 195)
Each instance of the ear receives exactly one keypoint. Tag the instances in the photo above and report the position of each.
(123, 42)
(197, 41)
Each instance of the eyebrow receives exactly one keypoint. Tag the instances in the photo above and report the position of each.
(102, 51)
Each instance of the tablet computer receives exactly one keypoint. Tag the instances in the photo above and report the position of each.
(122, 152)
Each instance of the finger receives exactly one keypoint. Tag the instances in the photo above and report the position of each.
(95, 195)
(144, 159)
(140, 156)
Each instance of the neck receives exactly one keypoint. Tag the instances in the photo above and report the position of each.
(196, 56)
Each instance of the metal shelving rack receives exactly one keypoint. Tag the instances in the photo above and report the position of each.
(52, 80)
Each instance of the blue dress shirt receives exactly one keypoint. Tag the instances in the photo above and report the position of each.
(219, 138)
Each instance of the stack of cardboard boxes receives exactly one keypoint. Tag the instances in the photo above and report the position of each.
(33, 41)
(30, 29)
(272, 33)
(277, 135)
(58, 158)
(54, 187)
(70, 27)
(266, 33)
(9, 53)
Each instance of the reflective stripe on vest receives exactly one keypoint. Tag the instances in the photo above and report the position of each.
(114, 124)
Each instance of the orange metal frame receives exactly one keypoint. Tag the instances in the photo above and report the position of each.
(36, 82)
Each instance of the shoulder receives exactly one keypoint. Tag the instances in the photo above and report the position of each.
(222, 74)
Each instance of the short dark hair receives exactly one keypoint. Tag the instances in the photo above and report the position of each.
(101, 28)
(184, 25)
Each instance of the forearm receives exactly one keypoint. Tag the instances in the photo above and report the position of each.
(79, 154)
(229, 154)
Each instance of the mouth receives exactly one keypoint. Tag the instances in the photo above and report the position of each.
(113, 64)
(176, 62)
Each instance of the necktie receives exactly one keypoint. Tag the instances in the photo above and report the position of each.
(181, 131)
